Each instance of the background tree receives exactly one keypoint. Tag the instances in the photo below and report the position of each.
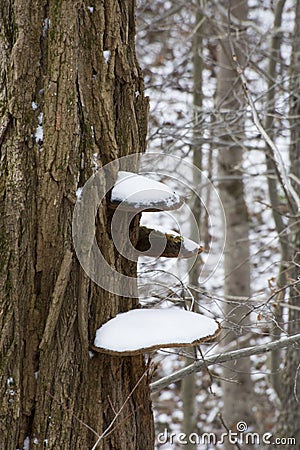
(230, 106)
(274, 64)
(71, 94)
(189, 383)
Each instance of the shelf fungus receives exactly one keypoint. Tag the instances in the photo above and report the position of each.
(134, 192)
(142, 330)
(168, 244)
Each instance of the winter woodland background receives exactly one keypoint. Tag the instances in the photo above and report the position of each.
(178, 44)
(223, 82)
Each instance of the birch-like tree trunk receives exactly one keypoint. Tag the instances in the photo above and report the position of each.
(61, 102)
(237, 385)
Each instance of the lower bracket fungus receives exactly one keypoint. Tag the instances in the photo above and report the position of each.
(167, 244)
(142, 330)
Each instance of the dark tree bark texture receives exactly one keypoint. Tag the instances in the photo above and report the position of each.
(55, 77)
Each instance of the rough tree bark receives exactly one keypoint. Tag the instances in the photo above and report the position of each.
(290, 409)
(230, 104)
(53, 74)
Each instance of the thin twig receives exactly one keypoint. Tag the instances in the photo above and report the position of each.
(228, 430)
(279, 164)
(283, 288)
(110, 426)
(122, 421)
(296, 384)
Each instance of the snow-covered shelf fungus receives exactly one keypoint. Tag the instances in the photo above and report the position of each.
(142, 330)
(168, 244)
(134, 192)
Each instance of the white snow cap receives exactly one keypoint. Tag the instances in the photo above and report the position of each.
(137, 191)
(140, 330)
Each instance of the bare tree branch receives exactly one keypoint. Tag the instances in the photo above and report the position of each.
(222, 358)
(279, 164)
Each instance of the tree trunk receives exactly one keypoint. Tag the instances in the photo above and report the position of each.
(276, 326)
(230, 104)
(189, 383)
(290, 412)
(62, 101)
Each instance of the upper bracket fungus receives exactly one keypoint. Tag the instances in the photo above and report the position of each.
(142, 330)
(134, 192)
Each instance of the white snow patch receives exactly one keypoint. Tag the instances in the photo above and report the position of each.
(10, 381)
(106, 55)
(95, 162)
(39, 133)
(142, 191)
(212, 415)
(177, 415)
(26, 443)
(91, 9)
(34, 106)
(146, 328)
(11, 393)
(79, 193)
(163, 418)
(165, 395)
(46, 26)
